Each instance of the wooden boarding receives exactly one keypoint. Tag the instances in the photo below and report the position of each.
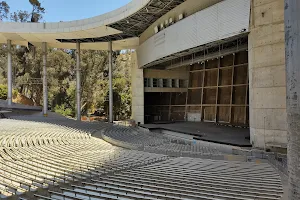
(217, 90)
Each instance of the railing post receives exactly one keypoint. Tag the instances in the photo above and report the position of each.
(9, 74)
(110, 66)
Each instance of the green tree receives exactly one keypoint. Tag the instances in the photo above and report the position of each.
(37, 10)
(27, 67)
(61, 79)
(20, 16)
(93, 64)
(3, 92)
(121, 87)
(4, 10)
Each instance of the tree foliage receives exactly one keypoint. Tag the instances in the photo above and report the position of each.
(37, 10)
(20, 16)
(4, 10)
(3, 92)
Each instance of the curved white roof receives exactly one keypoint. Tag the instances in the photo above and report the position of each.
(95, 27)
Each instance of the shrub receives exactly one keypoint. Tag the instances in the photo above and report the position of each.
(15, 93)
(3, 92)
(61, 109)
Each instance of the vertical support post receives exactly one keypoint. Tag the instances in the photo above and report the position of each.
(202, 89)
(246, 98)
(45, 83)
(187, 94)
(217, 90)
(170, 107)
(78, 85)
(292, 44)
(9, 74)
(110, 65)
(232, 90)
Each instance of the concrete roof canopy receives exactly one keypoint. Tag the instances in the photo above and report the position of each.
(123, 26)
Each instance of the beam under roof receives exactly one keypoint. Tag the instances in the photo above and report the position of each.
(136, 24)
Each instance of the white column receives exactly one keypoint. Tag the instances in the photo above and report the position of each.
(9, 74)
(110, 64)
(292, 46)
(78, 86)
(45, 82)
(137, 87)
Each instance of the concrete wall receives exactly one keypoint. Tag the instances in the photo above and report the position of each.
(220, 21)
(187, 8)
(267, 73)
(137, 81)
(178, 73)
(156, 89)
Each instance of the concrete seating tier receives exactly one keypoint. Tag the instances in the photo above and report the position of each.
(61, 121)
(135, 136)
(58, 158)
(40, 154)
(181, 178)
(154, 142)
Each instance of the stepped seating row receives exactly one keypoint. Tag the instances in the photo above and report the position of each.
(57, 158)
(63, 165)
(40, 155)
(135, 136)
(58, 120)
(18, 133)
(181, 178)
(189, 148)
(155, 141)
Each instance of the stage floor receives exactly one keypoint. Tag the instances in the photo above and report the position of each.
(208, 132)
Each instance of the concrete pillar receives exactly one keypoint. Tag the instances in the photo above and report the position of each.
(267, 79)
(9, 74)
(110, 65)
(137, 85)
(78, 83)
(292, 44)
(45, 81)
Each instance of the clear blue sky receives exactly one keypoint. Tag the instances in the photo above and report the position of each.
(66, 10)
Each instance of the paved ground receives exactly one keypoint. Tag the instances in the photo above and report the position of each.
(208, 132)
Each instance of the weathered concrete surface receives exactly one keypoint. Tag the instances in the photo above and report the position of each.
(178, 73)
(158, 89)
(137, 83)
(187, 8)
(292, 42)
(267, 73)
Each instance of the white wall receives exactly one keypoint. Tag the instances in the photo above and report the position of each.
(223, 20)
(137, 83)
(188, 7)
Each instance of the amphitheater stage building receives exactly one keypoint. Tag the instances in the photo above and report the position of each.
(222, 134)
(216, 61)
